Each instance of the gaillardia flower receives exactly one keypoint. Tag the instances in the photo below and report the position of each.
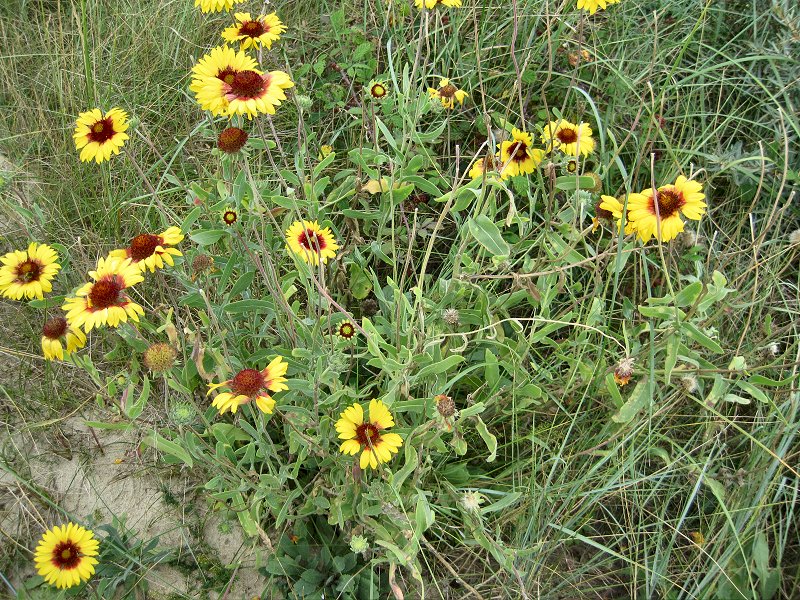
(150, 251)
(518, 156)
(346, 330)
(28, 274)
(311, 242)
(593, 5)
(104, 302)
(216, 5)
(248, 93)
(252, 33)
(251, 385)
(98, 136)
(57, 330)
(368, 437)
(378, 90)
(65, 555)
(430, 4)
(231, 140)
(490, 162)
(659, 214)
(229, 217)
(611, 208)
(447, 94)
(222, 63)
(568, 137)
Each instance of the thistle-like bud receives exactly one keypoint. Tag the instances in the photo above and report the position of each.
(159, 357)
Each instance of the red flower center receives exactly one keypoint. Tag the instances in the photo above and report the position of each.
(346, 330)
(105, 293)
(367, 434)
(252, 29)
(312, 241)
(231, 139)
(447, 91)
(28, 270)
(248, 383)
(519, 152)
(669, 202)
(66, 556)
(144, 245)
(602, 213)
(567, 135)
(102, 131)
(229, 216)
(247, 84)
(377, 91)
(227, 75)
(55, 328)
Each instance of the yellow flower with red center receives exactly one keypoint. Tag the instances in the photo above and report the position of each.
(56, 331)
(572, 139)
(28, 274)
(368, 437)
(593, 5)
(247, 93)
(104, 301)
(447, 94)
(216, 5)
(150, 251)
(518, 156)
(490, 162)
(378, 90)
(252, 385)
(252, 33)
(311, 242)
(65, 555)
(611, 208)
(659, 215)
(99, 135)
(222, 63)
(346, 330)
(229, 217)
(431, 4)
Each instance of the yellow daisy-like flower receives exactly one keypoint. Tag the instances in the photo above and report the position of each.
(430, 4)
(518, 156)
(246, 93)
(593, 5)
(28, 274)
(611, 208)
(568, 137)
(490, 162)
(368, 437)
(378, 90)
(251, 385)
(65, 555)
(311, 242)
(57, 330)
(208, 6)
(149, 251)
(659, 215)
(222, 63)
(98, 136)
(104, 302)
(252, 33)
(447, 94)
(324, 151)
(346, 330)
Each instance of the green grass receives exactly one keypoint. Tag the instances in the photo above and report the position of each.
(587, 490)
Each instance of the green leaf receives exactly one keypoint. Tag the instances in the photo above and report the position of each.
(160, 443)
(135, 409)
(488, 438)
(568, 183)
(360, 282)
(688, 295)
(423, 515)
(641, 395)
(701, 338)
(673, 343)
(488, 235)
(440, 366)
(242, 284)
(507, 500)
(208, 237)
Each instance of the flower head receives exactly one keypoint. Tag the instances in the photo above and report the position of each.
(231, 140)
(368, 437)
(252, 33)
(593, 5)
(311, 242)
(247, 92)
(216, 5)
(490, 162)
(104, 301)
(568, 137)
(222, 63)
(378, 90)
(346, 330)
(99, 135)
(324, 151)
(251, 385)
(611, 208)
(430, 4)
(159, 357)
(624, 371)
(447, 94)
(518, 155)
(659, 214)
(229, 217)
(28, 274)
(57, 330)
(65, 555)
(151, 251)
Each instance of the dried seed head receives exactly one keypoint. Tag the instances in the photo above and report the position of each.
(624, 371)
(201, 262)
(689, 383)
(369, 307)
(445, 405)
(159, 357)
(794, 237)
(451, 316)
(472, 501)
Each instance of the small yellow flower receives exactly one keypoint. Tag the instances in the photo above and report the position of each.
(659, 215)
(229, 217)
(611, 208)
(430, 4)
(378, 90)
(324, 152)
(28, 274)
(311, 242)
(518, 156)
(368, 437)
(252, 33)
(346, 330)
(251, 385)
(568, 137)
(57, 330)
(447, 94)
(103, 301)
(150, 251)
(490, 162)
(593, 5)
(65, 555)
(98, 136)
(216, 5)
